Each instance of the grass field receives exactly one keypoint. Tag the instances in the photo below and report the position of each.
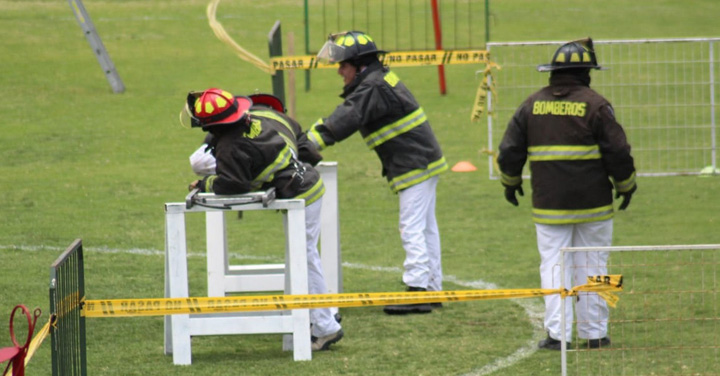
(78, 161)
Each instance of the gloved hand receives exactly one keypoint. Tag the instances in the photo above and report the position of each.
(626, 197)
(193, 185)
(510, 193)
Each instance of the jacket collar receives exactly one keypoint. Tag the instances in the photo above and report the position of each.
(349, 88)
(560, 78)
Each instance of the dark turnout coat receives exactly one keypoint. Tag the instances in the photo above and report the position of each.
(575, 146)
(391, 122)
(266, 153)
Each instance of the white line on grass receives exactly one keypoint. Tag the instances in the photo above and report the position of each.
(533, 310)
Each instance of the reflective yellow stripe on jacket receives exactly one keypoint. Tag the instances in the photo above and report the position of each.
(395, 129)
(510, 180)
(282, 161)
(561, 217)
(625, 185)
(314, 136)
(563, 152)
(276, 117)
(314, 193)
(413, 177)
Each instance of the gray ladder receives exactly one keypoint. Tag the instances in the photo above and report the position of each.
(97, 46)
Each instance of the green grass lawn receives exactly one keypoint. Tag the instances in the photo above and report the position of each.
(78, 161)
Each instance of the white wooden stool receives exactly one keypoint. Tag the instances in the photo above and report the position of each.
(224, 278)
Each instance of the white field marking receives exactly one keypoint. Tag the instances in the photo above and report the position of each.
(149, 18)
(534, 311)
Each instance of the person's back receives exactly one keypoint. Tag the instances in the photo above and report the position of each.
(573, 145)
(578, 153)
(258, 152)
(261, 156)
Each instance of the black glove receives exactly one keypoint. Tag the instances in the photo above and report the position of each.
(626, 197)
(510, 193)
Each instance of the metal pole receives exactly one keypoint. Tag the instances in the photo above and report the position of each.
(438, 44)
(491, 158)
(487, 21)
(713, 125)
(275, 46)
(307, 44)
(563, 319)
(83, 19)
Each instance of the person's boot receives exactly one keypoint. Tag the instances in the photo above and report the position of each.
(323, 343)
(598, 343)
(404, 309)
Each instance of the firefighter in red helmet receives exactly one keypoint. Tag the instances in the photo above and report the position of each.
(256, 151)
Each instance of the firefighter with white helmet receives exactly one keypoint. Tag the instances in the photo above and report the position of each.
(381, 108)
(578, 153)
(256, 150)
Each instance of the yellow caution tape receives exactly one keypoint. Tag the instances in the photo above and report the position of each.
(599, 284)
(392, 59)
(486, 84)
(38, 339)
(221, 34)
(439, 57)
(205, 305)
(395, 59)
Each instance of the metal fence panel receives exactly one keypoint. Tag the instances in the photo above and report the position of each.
(663, 92)
(67, 293)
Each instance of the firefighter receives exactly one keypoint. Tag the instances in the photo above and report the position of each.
(577, 153)
(392, 123)
(269, 106)
(256, 152)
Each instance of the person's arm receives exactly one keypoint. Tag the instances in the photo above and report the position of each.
(233, 176)
(347, 118)
(512, 156)
(615, 151)
(307, 151)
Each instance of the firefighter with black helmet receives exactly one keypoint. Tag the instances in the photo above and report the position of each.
(379, 106)
(578, 153)
(256, 150)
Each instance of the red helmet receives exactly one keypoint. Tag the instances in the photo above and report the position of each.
(268, 100)
(215, 107)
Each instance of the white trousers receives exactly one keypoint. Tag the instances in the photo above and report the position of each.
(592, 311)
(420, 236)
(322, 319)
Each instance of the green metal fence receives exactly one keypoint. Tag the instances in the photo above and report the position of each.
(67, 293)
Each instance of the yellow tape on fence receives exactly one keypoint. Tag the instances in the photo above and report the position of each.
(487, 83)
(205, 305)
(393, 59)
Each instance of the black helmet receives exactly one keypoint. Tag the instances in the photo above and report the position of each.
(575, 54)
(348, 45)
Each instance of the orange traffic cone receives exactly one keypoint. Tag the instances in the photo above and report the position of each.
(463, 166)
